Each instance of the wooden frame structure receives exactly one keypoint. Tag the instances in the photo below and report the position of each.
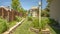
(8, 14)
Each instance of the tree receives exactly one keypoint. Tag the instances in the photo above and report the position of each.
(45, 13)
(23, 11)
(16, 5)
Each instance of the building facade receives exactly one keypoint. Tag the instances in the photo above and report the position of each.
(55, 10)
(34, 11)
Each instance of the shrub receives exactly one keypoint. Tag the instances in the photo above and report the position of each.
(18, 18)
(40, 24)
(29, 18)
(35, 23)
(45, 13)
(44, 21)
(3, 25)
(52, 21)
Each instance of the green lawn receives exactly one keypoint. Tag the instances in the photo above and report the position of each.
(11, 24)
(24, 28)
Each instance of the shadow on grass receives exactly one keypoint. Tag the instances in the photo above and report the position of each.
(55, 29)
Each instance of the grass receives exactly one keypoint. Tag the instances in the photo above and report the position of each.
(54, 30)
(12, 23)
(51, 30)
(53, 26)
(24, 28)
(4, 25)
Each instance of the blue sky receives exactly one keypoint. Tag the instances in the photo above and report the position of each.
(26, 4)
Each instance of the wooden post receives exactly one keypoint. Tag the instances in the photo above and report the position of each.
(8, 16)
(2, 13)
(12, 15)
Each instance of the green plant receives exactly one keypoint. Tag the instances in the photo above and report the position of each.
(29, 18)
(52, 21)
(3, 25)
(44, 21)
(35, 23)
(45, 13)
(15, 4)
(18, 18)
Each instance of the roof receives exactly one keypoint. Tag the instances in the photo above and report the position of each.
(6, 8)
(34, 7)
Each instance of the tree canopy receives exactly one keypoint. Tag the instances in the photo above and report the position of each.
(16, 5)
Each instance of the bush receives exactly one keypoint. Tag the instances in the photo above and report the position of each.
(3, 25)
(44, 21)
(52, 21)
(40, 25)
(29, 18)
(45, 13)
(18, 18)
(35, 23)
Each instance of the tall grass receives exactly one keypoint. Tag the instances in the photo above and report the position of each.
(35, 23)
(44, 21)
(18, 18)
(3, 25)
